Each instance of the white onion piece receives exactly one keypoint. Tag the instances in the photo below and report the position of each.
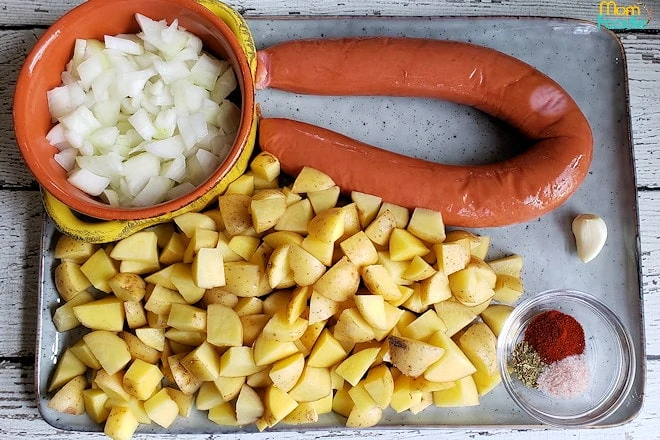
(141, 118)
(88, 182)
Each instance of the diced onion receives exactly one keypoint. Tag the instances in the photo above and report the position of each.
(142, 118)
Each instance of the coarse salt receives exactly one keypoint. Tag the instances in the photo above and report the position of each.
(566, 378)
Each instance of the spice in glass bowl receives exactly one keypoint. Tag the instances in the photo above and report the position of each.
(551, 356)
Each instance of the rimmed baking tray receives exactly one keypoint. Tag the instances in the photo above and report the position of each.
(587, 61)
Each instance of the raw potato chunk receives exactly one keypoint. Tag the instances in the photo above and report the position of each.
(306, 268)
(208, 269)
(296, 217)
(70, 280)
(453, 256)
(142, 379)
(278, 404)
(266, 166)
(340, 282)
(310, 179)
(508, 289)
(242, 278)
(103, 314)
(379, 282)
(286, 372)
(327, 226)
(463, 393)
(364, 419)
(95, 400)
(190, 221)
(413, 357)
(380, 230)
(495, 315)
(372, 309)
(99, 269)
(327, 351)
(455, 315)
(69, 399)
(474, 284)
(324, 199)
(367, 207)
(64, 319)
(141, 246)
(427, 225)
(235, 209)
(453, 365)
(120, 424)
(267, 207)
(68, 367)
(128, 286)
(249, 407)
(314, 384)
(403, 246)
(355, 366)
(161, 408)
(511, 265)
(360, 250)
(71, 249)
(223, 326)
(479, 344)
(110, 350)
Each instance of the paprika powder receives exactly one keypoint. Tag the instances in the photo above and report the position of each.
(555, 336)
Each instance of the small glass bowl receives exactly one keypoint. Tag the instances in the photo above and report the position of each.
(609, 354)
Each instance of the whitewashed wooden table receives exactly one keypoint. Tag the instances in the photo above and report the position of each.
(22, 21)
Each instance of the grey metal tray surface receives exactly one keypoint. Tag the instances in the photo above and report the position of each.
(587, 61)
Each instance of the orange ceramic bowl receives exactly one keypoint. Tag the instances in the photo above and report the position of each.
(47, 60)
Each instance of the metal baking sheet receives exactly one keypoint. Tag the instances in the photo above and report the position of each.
(587, 61)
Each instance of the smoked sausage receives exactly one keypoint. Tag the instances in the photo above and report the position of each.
(512, 191)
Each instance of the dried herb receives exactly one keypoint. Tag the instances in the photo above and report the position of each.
(526, 363)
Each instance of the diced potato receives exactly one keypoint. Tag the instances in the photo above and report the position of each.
(223, 414)
(401, 214)
(296, 217)
(229, 387)
(152, 337)
(356, 365)
(242, 278)
(98, 269)
(464, 393)
(64, 319)
(314, 383)
(479, 344)
(244, 184)
(372, 309)
(121, 423)
(239, 362)
(281, 238)
(250, 306)
(141, 246)
(510, 265)
(182, 280)
(453, 365)
(413, 357)
(453, 256)
(321, 308)
(267, 207)
(268, 351)
(327, 351)
(173, 250)
(322, 250)
(306, 268)
(278, 404)
(405, 395)
(324, 199)
(327, 226)
(340, 282)
(367, 206)
(455, 315)
(486, 383)
(265, 165)
(68, 367)
(474, 284)
(84, 354)
(163, 276)
(69, 398)
(223, 326)
(187, 318)
(73, 250)
(190, 221)
(280, 329)
(208, 396)
(359, 250)
(94, 400)
(235, 209)
(244, 246)
(310, 179)
(110, 350)
(161, 408)
(342, 403)
(508, 289)
(142, 379)
(351, 327)
(286, 372)
(403, 245)
(418, 269)
(379, 282)
(128, 286)
(495, 315)
(379, 383)
(380, 230)
(111, 384)
(187, 382)
(434, 289)
(424, 326)
(103, 314)
(305, 412)
(249, 407)
(427, 225)
(138, 349)
(208, 269)
(70, 280)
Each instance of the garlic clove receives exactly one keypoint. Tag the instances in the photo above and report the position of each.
(590, 234)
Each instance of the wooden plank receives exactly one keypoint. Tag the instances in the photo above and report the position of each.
(643, 59)
(19, 419)
(36, 12)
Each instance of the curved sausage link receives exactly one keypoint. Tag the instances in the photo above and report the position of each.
(512, 191)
